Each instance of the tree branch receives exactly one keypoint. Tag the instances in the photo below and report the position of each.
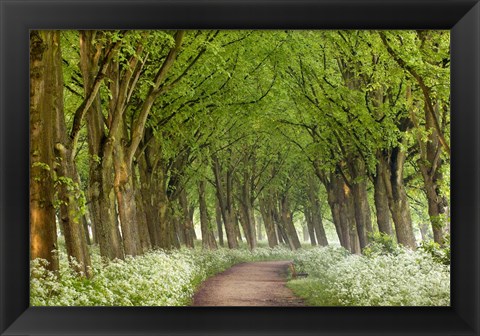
(83, 108)
(425, 90)
(139, 125)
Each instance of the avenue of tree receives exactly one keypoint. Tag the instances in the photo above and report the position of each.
(137, 134)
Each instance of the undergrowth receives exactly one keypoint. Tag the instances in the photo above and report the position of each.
(157, 278)
(384, 276)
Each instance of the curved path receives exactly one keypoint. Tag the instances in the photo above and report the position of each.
(249, 284)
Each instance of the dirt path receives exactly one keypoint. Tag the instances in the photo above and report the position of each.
(249, 284)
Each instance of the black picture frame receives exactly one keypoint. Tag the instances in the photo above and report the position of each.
(17, 17)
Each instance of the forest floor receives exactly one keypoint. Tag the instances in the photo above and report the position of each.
(249, 284)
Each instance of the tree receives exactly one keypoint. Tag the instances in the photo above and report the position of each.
(94, 60)
(208, 239)
(70, 197)
(43, 97)
(165, 127)
(432, 50)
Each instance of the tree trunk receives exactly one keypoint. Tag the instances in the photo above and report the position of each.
(360, 199)
(245, 198)
(320, 230)
(287, 221)
(315, 213)
(150, 190)
(102, 197)
(252, 223)
(172, 219)
(191, 213)
(430, 166)
(100, 188)
(90, 223)
(125, 193)
(281, 233)
(246, 218)
(186, 223)
(43, 234)
(277, 220)
(69, 192)
(243, 221)
(334, 204)
(179, 228)
(362, 212)
(258, 221)
(218, 219)
(278, 233)
(70, 214)
(225, 202)
(381, 198)
(267, 215)
(236, 225)
(309, 223)
(208, 239)
(159, 200)
(436, 207)
(85, 229)
(338, 196)
(349, 213)
(397, 199)
(143, 232)
(167, 237)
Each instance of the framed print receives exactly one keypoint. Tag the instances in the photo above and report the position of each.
(268, 131)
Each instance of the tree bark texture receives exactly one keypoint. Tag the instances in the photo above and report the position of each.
(397, 199)
(100, 189)
(123, 185)
(381, 198)
(43, 235)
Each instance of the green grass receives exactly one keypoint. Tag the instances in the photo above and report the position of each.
(313, 291)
